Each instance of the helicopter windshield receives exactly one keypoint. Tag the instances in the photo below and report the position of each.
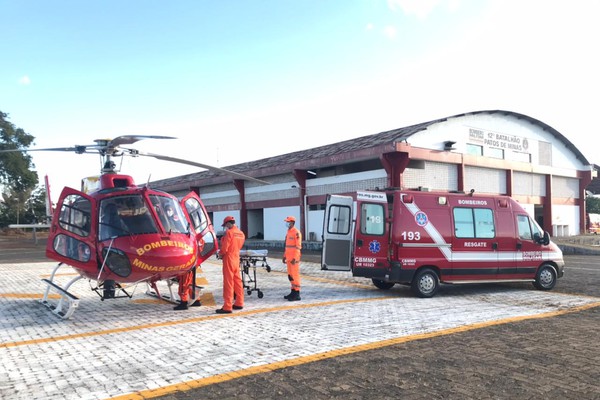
(170, 213)
(125, 215)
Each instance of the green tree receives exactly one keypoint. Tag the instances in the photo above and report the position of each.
(17, 179)
(592, 205)
(27, 207)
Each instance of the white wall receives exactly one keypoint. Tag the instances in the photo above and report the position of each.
(530, 208)
(565, 220)
(274, 224)
(219, 216)
(457, 130)
(315, 224)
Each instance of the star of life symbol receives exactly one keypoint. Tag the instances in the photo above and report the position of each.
(421, 218)
(374, 246)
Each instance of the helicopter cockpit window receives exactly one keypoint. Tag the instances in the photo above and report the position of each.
(170, 213)
(200, 221)
(199, 218)
(75, 215)
(70, 247)
(125, 215)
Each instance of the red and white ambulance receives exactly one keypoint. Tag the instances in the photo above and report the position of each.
(422, 239)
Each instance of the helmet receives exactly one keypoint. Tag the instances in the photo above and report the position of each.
(290, 219)
(227, 219)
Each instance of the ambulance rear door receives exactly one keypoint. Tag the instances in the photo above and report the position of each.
(337, 233)
(371, 236)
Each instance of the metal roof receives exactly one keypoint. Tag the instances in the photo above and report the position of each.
(321, 156)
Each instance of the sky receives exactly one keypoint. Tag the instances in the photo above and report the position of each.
(242, 80)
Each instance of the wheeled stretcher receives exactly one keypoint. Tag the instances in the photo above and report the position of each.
(250, 259)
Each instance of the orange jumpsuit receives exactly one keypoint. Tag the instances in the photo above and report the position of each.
(231, 244)
(292, 252)
(185, 285)
(186, 279)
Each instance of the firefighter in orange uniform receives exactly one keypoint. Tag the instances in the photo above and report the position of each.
(185, 289)
(291, 257)
(231, 244)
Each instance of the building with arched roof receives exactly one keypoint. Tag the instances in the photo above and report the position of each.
(493, 151)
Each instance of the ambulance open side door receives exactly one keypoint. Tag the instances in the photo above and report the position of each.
(338, 229)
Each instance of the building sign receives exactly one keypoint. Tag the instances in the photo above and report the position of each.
(498, 140)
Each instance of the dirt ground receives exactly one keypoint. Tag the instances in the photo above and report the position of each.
(548, 358)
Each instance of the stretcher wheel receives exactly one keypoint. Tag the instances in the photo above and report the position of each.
(249, 292)
(268, 269)
(260, 294)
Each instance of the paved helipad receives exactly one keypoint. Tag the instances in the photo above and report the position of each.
(141, 348)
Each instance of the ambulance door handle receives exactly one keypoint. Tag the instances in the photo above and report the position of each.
(519, 245)
(495, 246)
(359, 242)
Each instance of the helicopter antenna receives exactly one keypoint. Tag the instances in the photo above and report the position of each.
(148, 181)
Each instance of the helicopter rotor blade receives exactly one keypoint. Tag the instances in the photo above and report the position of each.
(209, 167)
(111, 147)
(130, 139)
(77, 149)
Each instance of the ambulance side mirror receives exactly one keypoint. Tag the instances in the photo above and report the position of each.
(543, 240)
(546, 241)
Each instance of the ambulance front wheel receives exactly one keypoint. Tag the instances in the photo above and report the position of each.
(425, 283)
(545, 278)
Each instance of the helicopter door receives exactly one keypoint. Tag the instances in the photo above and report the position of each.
(201, 225)
(72, 233)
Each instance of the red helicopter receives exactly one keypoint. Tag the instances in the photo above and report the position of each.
(118, 234)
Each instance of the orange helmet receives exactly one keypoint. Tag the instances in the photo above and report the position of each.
(290, 219)
(227, 219)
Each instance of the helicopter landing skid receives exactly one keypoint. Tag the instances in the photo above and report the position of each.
(111, 290)
(68, 302)
(173, 295)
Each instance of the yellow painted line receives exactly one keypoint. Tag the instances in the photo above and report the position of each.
(65, 274)
(327, 280)
(228, 376)
(152, 301)
(28, 295)
(585, 296)
(207, 299)
(201, 281)
(336, 282)
(183, 321)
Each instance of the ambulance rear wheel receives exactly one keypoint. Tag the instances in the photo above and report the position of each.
(425, 283)
(545, 278)
(383, 285)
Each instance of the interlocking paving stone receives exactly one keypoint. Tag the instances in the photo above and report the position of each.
(115, 347)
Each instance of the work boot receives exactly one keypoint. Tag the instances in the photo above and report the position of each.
(287, 296)
(221, 311)
(294, 296)
(181, 306)
(196, 304)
